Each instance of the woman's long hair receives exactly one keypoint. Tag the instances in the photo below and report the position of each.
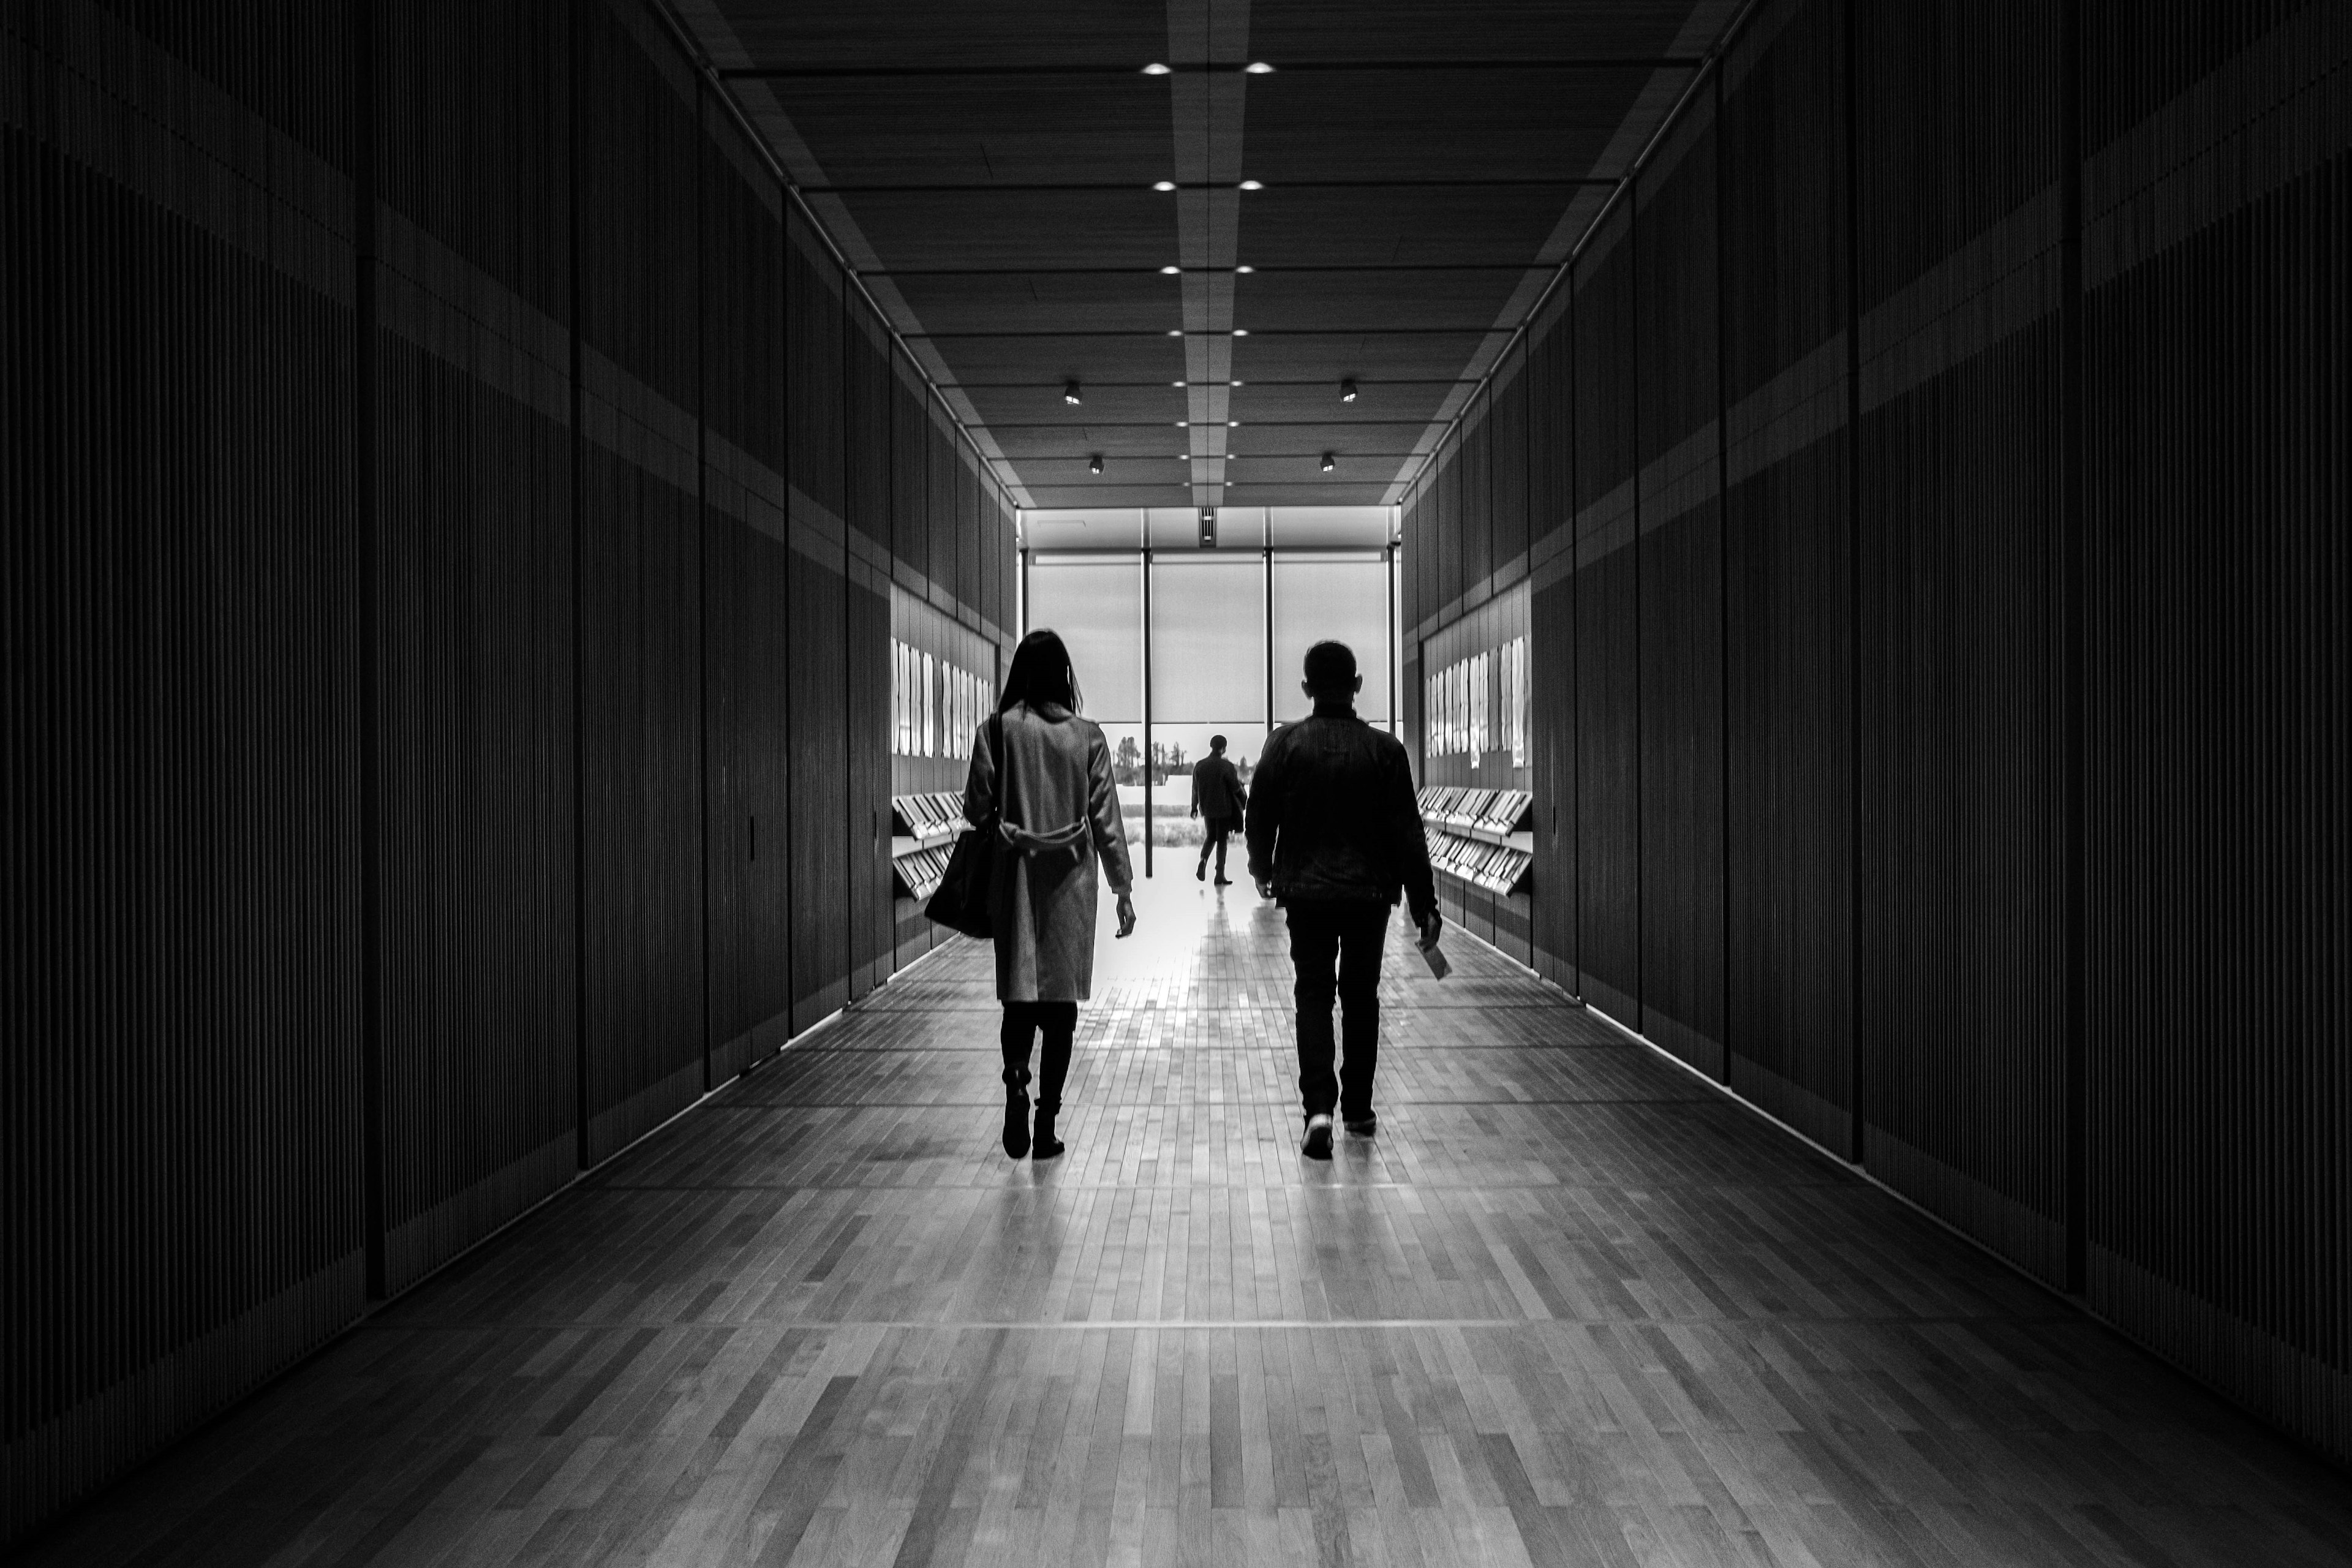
(1041, 673)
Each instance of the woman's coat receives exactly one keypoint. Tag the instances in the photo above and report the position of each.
(1063, 815)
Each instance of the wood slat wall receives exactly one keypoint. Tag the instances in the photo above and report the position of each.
(640, 576)
(747, 563)
(183, 1092)
(1968, 748)
(1679, 581)
(405, 661)
(2216, 606)
(1959, 644)
(1788, 599)
(471, 476)
(1608, 629)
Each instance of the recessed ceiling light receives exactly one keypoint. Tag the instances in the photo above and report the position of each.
(1182, 423)
(1252, 185)
(1232, 423)
(1237, 383)
(1155, 68)
(1241, 332)
(1245, 269)
(1348, 390)
(1175, 331)
(1163, 185)
(1328, 464)
(1170, 271)
(1070, 392)
(1258, 68)
(1175, 383)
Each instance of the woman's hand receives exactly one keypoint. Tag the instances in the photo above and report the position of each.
(1125, 914)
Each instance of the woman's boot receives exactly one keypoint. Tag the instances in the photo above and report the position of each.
(1047, 1145)
(1016, 1113)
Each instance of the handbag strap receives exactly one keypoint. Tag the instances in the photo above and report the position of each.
(1003, 767)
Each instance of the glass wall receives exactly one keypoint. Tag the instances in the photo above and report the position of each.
(1229, 624)
(1336, 597)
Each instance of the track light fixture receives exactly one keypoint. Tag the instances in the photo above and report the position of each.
(1094, 464)
(1070, 393)
(1348, 389)
(1329, 462)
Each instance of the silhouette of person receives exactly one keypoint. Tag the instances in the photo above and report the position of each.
(1061, 815)
(1335, 835)
(1218, 800)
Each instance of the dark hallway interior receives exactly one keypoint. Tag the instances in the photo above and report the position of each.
(512, 510)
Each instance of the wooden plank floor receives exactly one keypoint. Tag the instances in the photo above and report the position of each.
(1568, 1307)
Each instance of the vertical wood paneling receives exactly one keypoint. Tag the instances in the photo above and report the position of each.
(943, 466)
(910, 445)
(1608, 629)
(475, 704)
(1477, 497)
(1551, 778)
(1508, 465)
(2217, 195)
(1680, 584)
(815, 411)
(1552, 431)
(181, 1090)
(869, 387)
(640, 576)
(867, 809)
(1787, 574)
(327, 612)
(1960, 899)
(746, 656)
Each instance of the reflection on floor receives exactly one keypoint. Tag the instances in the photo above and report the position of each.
(1566, 1306)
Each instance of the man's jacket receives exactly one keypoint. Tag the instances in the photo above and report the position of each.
(1216, 788)
(1332, 818)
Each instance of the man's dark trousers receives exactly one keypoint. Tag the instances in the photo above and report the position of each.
(1345, 936)
(1214, 832)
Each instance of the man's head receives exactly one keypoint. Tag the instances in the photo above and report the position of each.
(1331, 673)
(1217, 744)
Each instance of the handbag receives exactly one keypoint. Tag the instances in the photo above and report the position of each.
(964, 896)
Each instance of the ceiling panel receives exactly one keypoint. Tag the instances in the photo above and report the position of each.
(1136, 300)
(1420, 164)
(969, 35)
(1440, 126)
(999, 129)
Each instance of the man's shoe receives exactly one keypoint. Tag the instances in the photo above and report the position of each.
(1225, 881)
(1318, 1138)
(1201, 872)
(1046, 1145)
(1016, 1120)
(1363, 1126)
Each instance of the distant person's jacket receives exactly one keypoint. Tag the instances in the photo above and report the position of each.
(1332, 818)
(1217, 787)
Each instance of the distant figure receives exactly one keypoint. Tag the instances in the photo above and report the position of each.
(1061, 813)
(1335, 835)
(1218, 799)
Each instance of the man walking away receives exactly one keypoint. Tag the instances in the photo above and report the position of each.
(1335, 835)
(1218, 799)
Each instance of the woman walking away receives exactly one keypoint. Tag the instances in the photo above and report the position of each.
(1060, 812)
